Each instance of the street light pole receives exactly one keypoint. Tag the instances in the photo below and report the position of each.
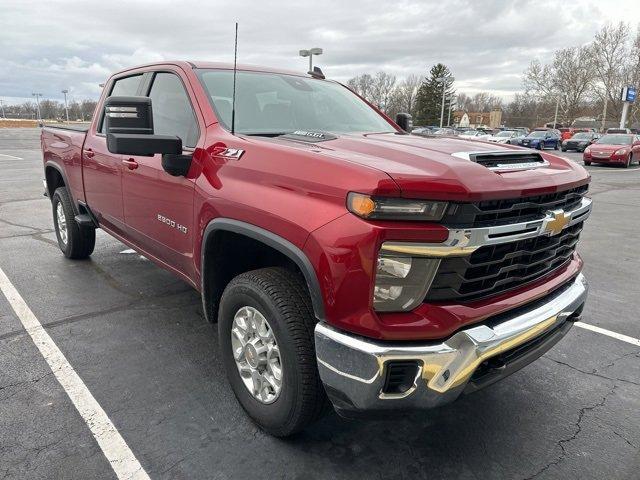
(2, 107)
(444, 90)
(310, 53)
(38, 95)
(555, 118)
(66, 108)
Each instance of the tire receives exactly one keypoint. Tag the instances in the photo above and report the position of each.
(75, 242)
(541, 146)
(281, 297)
(563, 149)
(628, 162)
(555, 147)
(587, 163)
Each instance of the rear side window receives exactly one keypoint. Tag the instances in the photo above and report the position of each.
(172, 112)
(123, 87)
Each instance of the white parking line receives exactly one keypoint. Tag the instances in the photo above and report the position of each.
(120, 457)
(11, 156)
(609, 333)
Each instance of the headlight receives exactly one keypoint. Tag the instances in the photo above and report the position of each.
(394, 208)
(402, 282)
(622, 151)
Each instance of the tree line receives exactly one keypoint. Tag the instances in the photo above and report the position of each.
(582, 81)
(52, 110)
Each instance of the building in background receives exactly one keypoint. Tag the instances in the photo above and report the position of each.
(490, 119)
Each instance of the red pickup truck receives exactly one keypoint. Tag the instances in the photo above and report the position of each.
(346, 262)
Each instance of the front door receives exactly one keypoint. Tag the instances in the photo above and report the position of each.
(102, 170)
(158, 208)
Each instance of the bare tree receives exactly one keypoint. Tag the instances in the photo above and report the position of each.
(404, 95)
(480, 102)
(610, 52)
(383, 85)
(566, 80)
(362, 85)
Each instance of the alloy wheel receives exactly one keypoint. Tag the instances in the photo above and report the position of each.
(62, 223)
(257, 354)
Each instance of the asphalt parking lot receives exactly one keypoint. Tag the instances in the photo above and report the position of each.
(137, 338)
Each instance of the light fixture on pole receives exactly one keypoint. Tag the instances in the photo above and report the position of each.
(310, 53)
(38, 95)
(444, 91)
(66, 107)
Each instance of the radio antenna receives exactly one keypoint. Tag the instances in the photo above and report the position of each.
(233, 99)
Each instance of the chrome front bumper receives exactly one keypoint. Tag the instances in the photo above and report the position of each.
(353, 368)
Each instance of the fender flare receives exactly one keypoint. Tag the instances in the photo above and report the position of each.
(274, 241)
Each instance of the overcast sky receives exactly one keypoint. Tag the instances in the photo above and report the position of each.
(48, 46)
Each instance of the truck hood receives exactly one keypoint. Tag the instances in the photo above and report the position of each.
(433, 168)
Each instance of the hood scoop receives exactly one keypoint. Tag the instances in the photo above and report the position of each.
(505, 161)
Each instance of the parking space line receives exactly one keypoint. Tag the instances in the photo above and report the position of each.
(115, 449)
(11, 156)
(609, 333)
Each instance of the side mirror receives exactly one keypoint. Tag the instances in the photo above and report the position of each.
(405, 122)
(129, 127)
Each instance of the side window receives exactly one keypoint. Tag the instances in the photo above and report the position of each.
(123, 87)
(172, 112)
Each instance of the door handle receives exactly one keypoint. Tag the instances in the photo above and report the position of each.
(130, 163)
(89, 153)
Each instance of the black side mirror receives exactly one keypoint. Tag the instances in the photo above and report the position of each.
(405, 122)
(129, 127)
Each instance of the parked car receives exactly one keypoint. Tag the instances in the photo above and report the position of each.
(541, 139)
(618, 148)
(422, 131)
(618, 130)
(444, 131)
(327, 270)
(505, 136)
(579, 141)
(474, 135)
(567, 132)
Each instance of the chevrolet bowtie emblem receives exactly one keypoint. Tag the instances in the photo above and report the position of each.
(555, 222)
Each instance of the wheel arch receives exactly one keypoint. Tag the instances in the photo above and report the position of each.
(212, 287)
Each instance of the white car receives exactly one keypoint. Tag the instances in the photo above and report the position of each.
(505, 136)
(474, 135)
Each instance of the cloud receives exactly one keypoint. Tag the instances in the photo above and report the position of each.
(74, 44)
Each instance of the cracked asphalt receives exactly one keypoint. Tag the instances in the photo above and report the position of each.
(137, 338)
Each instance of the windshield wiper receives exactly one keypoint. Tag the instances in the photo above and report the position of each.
(264, 134)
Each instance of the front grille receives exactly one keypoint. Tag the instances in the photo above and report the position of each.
(494, 269)
(514, 210)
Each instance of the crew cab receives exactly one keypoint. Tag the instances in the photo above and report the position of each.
(346, 262)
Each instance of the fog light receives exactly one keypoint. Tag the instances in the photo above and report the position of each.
(402, 282)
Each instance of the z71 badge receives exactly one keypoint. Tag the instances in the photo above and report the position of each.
(172, 223)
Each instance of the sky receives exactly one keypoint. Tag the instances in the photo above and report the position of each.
(48, 46)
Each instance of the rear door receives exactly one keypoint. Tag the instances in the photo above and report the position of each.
(102, 170)
(158, 208)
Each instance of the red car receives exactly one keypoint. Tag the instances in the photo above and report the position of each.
(343, 259)
(618, 148)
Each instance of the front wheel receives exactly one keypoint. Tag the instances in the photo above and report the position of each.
(563, 149)
(76, 242)
(587, 163)
(541, 146)
(265, 330)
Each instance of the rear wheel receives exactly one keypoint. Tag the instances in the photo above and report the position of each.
(75, 242)
(265, 330)
(587, 162)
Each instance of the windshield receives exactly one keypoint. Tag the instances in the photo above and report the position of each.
(581, 136)
(470, 132)
(273, 103)
(539, 134)
(506, 133)
(616, 139)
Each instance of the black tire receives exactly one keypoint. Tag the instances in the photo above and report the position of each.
(281, 296)
(627, 163)
(587, 163)
(564, 149)
(541, 146)
(555, 147)
(80, 241)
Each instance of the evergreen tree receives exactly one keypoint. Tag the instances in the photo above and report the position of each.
(429, 98)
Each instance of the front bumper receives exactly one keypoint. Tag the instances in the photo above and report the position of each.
(354, 369)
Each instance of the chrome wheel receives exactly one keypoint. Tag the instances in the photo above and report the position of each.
(257, 355)
(62, 223)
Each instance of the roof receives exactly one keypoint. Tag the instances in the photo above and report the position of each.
(219, 65)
